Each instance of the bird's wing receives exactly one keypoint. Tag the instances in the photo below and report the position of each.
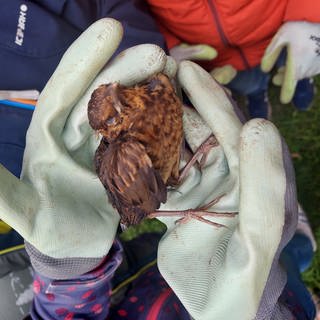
(133, 185)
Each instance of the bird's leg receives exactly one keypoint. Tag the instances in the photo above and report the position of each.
(203, 150)
(197, 214)
(205, 207)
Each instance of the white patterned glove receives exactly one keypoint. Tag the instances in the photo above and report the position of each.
(302, 41)
(231, 272)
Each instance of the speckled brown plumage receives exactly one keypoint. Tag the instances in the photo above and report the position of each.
(140, 151)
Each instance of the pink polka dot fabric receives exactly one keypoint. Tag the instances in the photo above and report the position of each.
(149, 297)
(87, 297)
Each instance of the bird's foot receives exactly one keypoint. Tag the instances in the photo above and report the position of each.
(198, 214)
(203, 150)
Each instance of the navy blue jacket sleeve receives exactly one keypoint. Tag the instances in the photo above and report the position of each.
(35, 34)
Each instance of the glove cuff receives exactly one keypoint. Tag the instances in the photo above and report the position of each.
(65, 268)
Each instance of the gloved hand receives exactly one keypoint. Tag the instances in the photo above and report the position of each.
(229, 272)
(202, 52)
(302, 41)
(59, 205)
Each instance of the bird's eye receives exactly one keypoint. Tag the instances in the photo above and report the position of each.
(111, 121)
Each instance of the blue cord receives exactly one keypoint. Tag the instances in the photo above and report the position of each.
(17, 104)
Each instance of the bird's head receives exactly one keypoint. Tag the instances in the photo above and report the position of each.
(104, 111)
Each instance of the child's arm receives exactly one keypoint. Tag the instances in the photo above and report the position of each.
(86, 296)
(59, 206)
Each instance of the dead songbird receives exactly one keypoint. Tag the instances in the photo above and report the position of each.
(139, 153)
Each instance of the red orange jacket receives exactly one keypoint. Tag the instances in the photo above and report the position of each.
(240, 30)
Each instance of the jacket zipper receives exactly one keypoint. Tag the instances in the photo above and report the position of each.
(223, 36)
(158, 304)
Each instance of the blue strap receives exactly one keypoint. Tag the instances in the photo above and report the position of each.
(17, 104)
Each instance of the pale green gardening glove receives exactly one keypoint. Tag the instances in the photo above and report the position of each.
(302, 42)
(59, 205)
(231, 272)
(203, 52)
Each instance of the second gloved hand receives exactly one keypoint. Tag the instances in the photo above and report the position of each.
(231, 271)
(302, 41)
(202, 52)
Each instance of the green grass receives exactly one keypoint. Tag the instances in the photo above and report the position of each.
(301, 131)
(148, 225)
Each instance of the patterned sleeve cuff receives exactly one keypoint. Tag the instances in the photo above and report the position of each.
(65, 268)
(85, 297)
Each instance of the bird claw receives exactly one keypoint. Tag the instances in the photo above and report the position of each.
(203, 150)
(187, 215)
